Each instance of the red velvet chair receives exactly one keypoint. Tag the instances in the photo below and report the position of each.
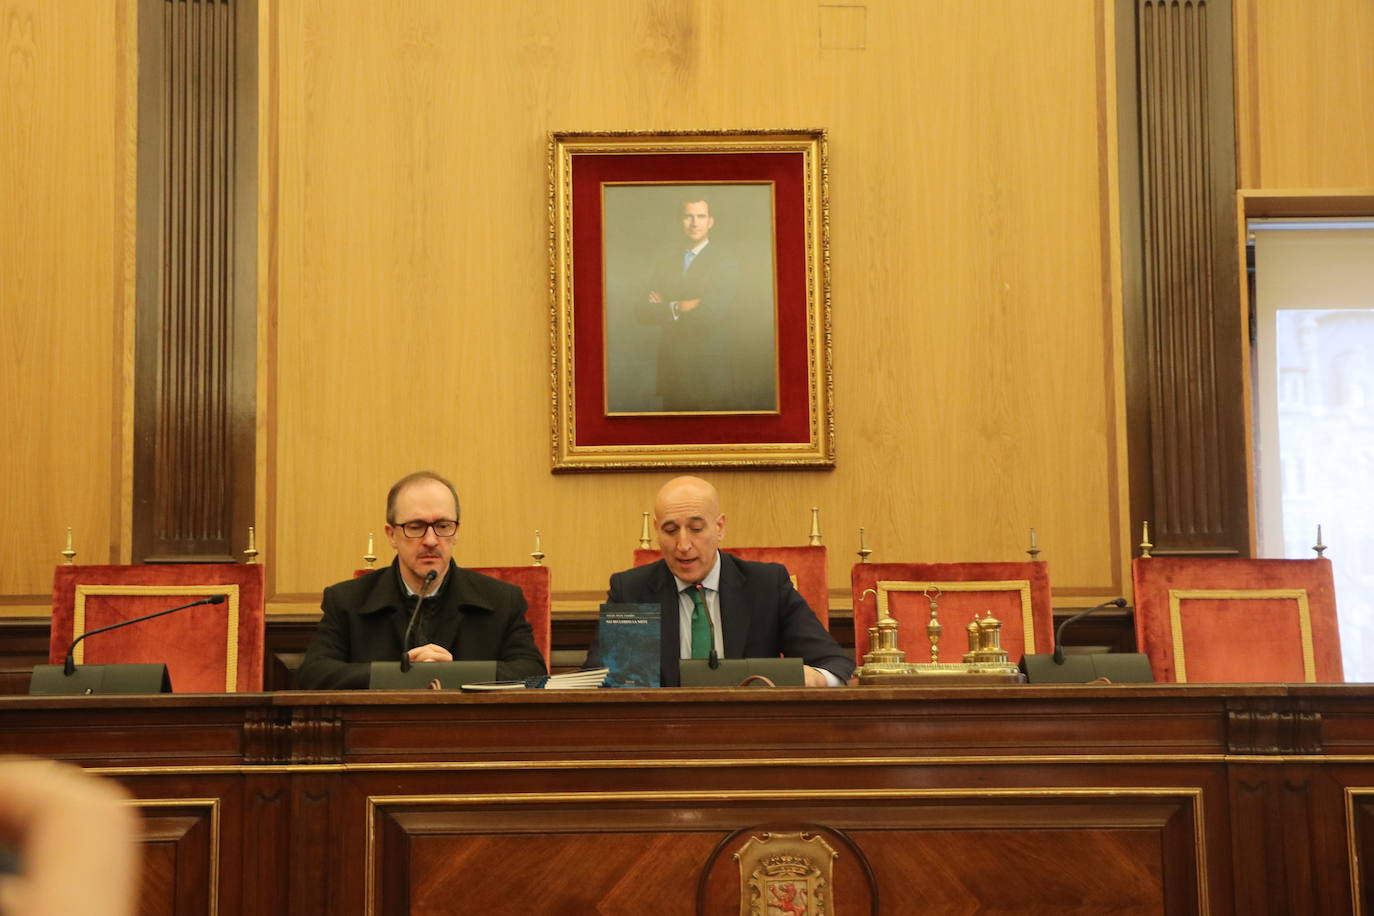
(805, 566)
(1017, 594)
(536, 583)
(1237, 621)
(208, 649)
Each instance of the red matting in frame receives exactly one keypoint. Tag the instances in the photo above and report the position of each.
(792, 422)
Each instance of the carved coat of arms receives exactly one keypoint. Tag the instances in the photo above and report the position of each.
(785, 874)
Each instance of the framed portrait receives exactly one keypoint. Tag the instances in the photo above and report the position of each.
(690, 288)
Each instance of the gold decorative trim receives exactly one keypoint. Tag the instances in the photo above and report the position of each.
(1178, 595)
(730, 763)
(1192, 793)
(213, 805)
(819, 449)
(700, 763)
(231, 648)
(1352, 848)
(990, 585)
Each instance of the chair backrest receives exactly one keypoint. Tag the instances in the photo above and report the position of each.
(1219, 620)
(805, 565)
(1017, 594)
(217, 648)
(536, 583)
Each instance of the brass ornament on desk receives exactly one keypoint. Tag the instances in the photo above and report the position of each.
(1034, 550)
(68, 552)
(815, 526)
(786, 873)
(538, 555)
(1145, 545)
(886, 663)
(987, 653)
(370, 558)
(1319, 547)
(864, 552)
(883, 658)
(250, 555)
(933, 627)
(644, 543)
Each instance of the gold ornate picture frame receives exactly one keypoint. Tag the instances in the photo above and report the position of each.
(690, 300)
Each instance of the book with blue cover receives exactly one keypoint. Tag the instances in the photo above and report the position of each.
(628, 638)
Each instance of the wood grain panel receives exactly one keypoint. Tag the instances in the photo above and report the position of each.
(193, 479)
(65, 153)
(1131, 854)
(1186, 332)
(180, 849)
(1305, 91)
(975, 353)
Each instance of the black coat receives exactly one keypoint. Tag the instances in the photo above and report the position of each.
(761, 614)
(473, 616)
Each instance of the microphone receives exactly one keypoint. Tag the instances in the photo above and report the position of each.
(414, 615)
(1059, 634)
(712, 659)
(69, 665)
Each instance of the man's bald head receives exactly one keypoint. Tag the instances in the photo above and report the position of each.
(690, 526)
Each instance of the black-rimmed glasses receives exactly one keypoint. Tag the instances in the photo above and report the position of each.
(443, 528)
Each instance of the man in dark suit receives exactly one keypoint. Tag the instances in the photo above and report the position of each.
(744, 609)
(691, 293)
(463, 615)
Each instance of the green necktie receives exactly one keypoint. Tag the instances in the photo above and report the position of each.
(701, 624)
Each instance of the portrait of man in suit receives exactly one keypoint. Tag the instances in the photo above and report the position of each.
(690, 311)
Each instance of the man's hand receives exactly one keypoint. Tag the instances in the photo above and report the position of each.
(430, 653)
(815, 677)
(654, 297)
(686, 305)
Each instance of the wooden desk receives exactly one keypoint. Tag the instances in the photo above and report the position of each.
(1131, 799)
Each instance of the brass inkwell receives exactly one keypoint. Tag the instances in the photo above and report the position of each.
(985, 662)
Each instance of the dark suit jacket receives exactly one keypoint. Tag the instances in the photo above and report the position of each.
(761, 615)
(697, 345)
(474, 616)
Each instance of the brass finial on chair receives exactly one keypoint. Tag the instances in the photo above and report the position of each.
(370, 558)
(538, 555)
(1033, 550)
(815, 526)
(864, 552)
(251, 554)
(1319, 547)
(644, 543)
(68, 552)
(1145, 544)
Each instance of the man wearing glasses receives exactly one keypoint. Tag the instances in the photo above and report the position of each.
(463, 614)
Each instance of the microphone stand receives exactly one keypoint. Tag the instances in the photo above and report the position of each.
(414, 615)
(69, 664)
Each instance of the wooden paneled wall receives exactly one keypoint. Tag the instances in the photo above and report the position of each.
(975, 358)
(66, 287)
(1305, 94)
(404, 290)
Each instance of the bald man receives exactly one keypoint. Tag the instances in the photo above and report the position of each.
(754, 609)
